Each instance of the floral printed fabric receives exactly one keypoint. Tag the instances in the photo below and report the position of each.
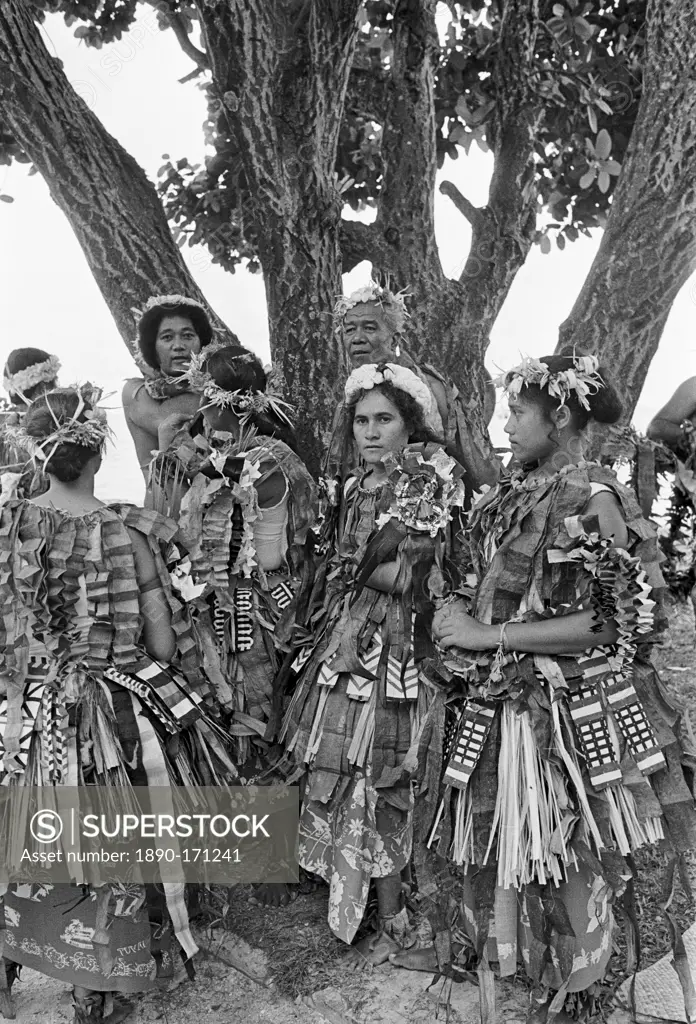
(341, 843)
(586, 898)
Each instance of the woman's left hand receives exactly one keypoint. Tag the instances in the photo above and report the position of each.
(453, 627)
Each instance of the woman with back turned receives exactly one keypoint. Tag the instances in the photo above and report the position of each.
(88, 628)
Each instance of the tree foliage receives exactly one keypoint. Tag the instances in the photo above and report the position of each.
(586, 76)
(320, 108)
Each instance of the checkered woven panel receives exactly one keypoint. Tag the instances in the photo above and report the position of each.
(633, 723)
(589, 717)
(468, 740)
(243, 619)
(620, 697)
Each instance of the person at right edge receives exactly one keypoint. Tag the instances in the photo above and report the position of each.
(566, 755)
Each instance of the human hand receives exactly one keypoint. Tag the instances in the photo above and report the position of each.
(453, 627)
(170, 427)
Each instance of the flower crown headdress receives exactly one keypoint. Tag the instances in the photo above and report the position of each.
(582, 379)
(87, 426)
(393, 302)
(24, 380)
(245, 404)
(167, 300)
(372, 374)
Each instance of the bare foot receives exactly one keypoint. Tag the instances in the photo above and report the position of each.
(416, 959)
(121, 1009)
(373, 950)
(273, 894)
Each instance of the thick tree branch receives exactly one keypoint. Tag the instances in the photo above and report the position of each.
(405, 214)
(465, 207)
(503, 230)
(358, 242)
(648, 249)
(280, 69)
(106, 196)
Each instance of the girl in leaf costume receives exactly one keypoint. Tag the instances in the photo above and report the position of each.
(88, 625)
(564, 755)
(245, 504)
(357, 716)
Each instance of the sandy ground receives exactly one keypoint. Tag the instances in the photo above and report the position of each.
(220, 993)
(224, 995)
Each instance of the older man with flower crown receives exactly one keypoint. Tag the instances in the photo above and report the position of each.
(171, 329)
(371, 321)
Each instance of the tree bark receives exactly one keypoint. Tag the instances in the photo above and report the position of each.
(106, 196)
(452, 319)
(281, 69)
(648, 249)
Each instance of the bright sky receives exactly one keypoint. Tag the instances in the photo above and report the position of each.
(49, 298)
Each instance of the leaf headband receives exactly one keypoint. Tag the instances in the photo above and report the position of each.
(92, 431)
(393, 302)
(244, 404)
(582, 379)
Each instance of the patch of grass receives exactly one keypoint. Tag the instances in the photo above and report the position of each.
(302, 953)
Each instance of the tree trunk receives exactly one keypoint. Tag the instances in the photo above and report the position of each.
(452, 320)
(110, 204)
(281, 70)
(648, 249)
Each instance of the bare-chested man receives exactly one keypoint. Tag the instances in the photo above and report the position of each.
(171, 329)
(371, 321)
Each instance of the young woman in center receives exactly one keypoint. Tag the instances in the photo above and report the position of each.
(355, 723)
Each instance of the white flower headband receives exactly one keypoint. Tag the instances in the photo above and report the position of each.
(394, 302)
(244, 404)
(583, 379)
(92, 431)
(24, 380)
(372, 374)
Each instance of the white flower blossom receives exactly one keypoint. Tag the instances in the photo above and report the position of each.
(364, 378)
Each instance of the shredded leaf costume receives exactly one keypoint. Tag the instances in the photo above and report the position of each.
(83, 704)
(245, 565)
(355, 722)
(19, 477)
(558, 767)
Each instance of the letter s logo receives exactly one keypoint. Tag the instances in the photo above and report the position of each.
(46, 826)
